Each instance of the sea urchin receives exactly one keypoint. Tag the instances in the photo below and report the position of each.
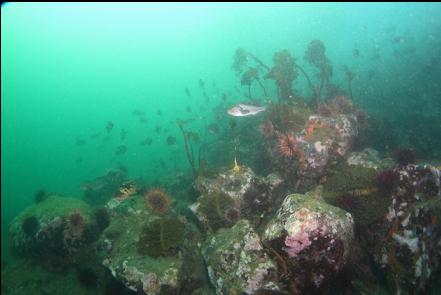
(287, 145)
(158, 200)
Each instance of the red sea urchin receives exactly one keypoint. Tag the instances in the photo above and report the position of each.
(287, 145)
(158, 200)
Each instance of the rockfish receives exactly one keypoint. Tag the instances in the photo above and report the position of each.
(242, 110)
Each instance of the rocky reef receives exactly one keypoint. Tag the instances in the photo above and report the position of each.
(55, 230)
(237, 262)
(408, 244)
(151, 253)
(312, 241)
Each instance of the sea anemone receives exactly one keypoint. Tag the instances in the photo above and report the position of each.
(405, 156)
(158, 200)
(30, 225)
(287, 145)
(161, 237)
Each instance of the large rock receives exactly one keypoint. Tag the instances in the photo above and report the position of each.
(55, 230)
(353, 187)
(237, 262)
(369, 158)
(103, 188)
(408, 244)
(151, 254)
(311, 241)
(233, 195)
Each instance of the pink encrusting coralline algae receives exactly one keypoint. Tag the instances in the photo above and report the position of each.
(294, 245)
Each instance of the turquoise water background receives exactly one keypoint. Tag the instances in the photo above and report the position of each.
(68, 69)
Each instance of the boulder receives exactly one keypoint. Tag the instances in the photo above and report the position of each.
(408, 244)
(150, 253)
(311, 241)
(237, 263)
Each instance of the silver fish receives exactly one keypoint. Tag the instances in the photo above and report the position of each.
(242, 110)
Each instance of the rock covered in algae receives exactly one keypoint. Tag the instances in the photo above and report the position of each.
(161, 237)
(311, 241)
(408, 244)
(354, 189)
(56, 227)
(233, 195)
(303, 156)
(24, 276)
(232, 183)
(237, 262)
(148, 253)
(369, 158)
(326, 137)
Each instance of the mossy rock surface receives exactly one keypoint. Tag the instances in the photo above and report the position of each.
(46, 211)
(24, 277)
(347, 179)
(237, 262)
(354, 189)
(213, 207)
(120, 247)
(161, 237)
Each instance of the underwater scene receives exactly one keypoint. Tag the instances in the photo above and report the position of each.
(221, 148)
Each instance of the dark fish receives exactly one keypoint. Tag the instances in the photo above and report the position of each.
(201, 83)
(356, 52)
(143, 120)
(224, 96)
(171, 140)
(94, 185)
(80, 141)
(207, 98)
(95, 135)
(187, 91)
(213, 128)
(158, 112)
(158, 129)
(138, 113)
(163, 164)
(109, 126)
(79, 160)
(188, 109)
(122, 149)
(147, 141)
(123, 134)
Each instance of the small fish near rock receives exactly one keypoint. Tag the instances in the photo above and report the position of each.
(243, 110)
(127, 189)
